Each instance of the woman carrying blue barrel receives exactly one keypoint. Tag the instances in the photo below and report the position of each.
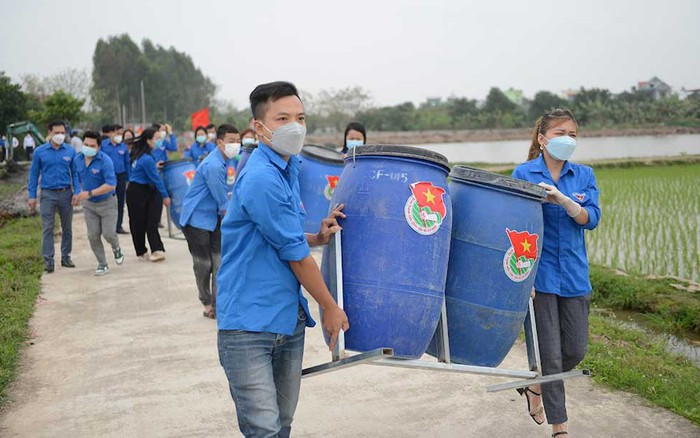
(562, 287)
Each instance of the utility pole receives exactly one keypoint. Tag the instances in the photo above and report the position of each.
(143, 105)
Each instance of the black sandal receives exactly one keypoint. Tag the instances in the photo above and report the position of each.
(524, 391)
(556, 434)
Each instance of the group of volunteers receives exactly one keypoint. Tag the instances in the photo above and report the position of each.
(251, 255)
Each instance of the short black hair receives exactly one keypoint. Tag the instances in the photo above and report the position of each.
(200, 128)
(56, 123)
(106, 129)
(224, 129)
(92, 134)
(117, 127)
(156, 126)
(209, 126)
(270, 92)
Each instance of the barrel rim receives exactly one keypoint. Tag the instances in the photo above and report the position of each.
(467, 174)
(310, 154)
(178, 161)
(394, 150)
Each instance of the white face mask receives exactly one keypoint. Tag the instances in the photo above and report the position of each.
(211, 135)
(232, 149)
(58, 138)
(118, 139)
(163, 134)
(287, 139)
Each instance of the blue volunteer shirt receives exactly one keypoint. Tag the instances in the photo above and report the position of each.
(207, 196)
(160, 153)
(261, 233)
(119, 154)
(56, 168)
(144, 171)
(199, 151)
(100, 171)
(563, 268)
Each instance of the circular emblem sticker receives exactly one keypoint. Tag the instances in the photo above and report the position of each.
(230, 175)
(520, 258)
(425, 209)
(330, 187)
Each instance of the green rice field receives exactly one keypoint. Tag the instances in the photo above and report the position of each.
(651, 220)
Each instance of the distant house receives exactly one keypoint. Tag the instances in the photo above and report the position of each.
(515, 96)
(656, 87)
(569, 94)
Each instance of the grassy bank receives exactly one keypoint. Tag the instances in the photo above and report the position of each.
(636, 362)
(671, 304)
(21, 267)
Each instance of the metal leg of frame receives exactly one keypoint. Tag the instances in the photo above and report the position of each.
(337, 251)
(171, 234)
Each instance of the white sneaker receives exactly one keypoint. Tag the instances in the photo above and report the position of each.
(101, 270)
(145, 257)
(157, 256)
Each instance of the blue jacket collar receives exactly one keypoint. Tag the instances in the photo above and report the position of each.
(276, 159)
(539, 166)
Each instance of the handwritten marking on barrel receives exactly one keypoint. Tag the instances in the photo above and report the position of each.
(425, 209)
(521, 256)
(393, 176)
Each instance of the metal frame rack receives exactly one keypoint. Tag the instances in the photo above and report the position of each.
(385, 356)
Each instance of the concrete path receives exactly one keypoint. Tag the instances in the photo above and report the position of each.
(129, 355)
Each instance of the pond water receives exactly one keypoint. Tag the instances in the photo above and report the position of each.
(594, 148)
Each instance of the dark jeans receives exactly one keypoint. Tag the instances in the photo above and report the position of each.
(52, 201)
(28, 153)
(205, 247)
(122, 179)
(264, 376)
(562, 331)
(144, 205)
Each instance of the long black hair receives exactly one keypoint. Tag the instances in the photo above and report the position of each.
(353, 126)
(141, 146)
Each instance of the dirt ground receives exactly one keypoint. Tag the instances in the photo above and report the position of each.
(129, 355)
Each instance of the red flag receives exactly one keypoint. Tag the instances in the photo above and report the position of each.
(200, 118)
(427, 195)
(524, 243)
(332, 181)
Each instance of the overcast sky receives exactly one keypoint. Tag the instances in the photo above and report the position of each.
(398, 50)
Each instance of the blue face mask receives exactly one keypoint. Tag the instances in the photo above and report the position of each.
(159, 143)
(561, 147)
(201, 138)
(88, 151)
(354, 143)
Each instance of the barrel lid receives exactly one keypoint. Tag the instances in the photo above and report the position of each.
(400, 151)
(174, 162)
(473, 175)
(250, 147)
(322, 153)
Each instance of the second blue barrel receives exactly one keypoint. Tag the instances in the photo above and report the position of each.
(396, 240)
(495, 249)
(245, 154)
(177, 175)
(318, 176)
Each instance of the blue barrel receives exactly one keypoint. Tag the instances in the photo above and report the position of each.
(496, 245)
(245, 154)
(177, 175)
(318, 176)
(396, 242)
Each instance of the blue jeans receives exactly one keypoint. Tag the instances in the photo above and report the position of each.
(264, 375)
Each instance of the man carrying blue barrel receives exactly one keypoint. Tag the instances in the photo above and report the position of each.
(261, 311)
(202, 209)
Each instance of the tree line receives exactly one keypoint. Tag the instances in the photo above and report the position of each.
(173, 88)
